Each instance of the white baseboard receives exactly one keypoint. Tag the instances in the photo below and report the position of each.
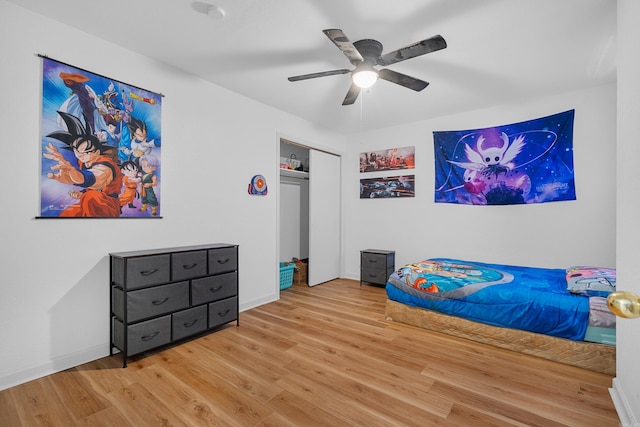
(258, 302)
(52, 366)
(624, 410)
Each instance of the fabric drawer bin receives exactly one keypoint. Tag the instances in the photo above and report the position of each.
(150, 302)
(209, 289)
(223, 259)
(223, 311)
(373, 260)
(375, 276)
(141, 272)
(189, 322)
(144, 335)
(186, 265)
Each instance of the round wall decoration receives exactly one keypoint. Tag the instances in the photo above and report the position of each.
(258, 186)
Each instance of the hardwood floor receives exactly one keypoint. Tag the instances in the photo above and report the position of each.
(321, 356)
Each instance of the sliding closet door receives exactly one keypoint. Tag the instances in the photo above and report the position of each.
(290, 196)
(324, 217)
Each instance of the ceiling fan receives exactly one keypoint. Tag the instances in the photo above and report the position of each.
(365, 54)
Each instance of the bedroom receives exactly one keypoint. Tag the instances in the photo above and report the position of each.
(60, 305)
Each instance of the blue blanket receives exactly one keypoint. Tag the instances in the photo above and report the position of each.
(526, 298)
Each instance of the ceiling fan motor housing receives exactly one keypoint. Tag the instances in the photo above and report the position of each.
(369, 49)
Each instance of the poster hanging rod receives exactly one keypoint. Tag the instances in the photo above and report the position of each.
(99, 75)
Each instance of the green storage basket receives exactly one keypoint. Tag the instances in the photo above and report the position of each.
(286, 274)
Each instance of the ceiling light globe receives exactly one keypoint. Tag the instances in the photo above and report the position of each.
(365, 79)
(215, 12)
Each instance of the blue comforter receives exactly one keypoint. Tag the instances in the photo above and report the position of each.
(526, 298)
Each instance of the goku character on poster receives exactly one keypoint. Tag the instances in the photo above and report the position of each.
(100, 146)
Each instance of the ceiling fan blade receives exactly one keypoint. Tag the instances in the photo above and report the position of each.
(411, 51)
(343, 43)
(320, 74)
(402, 79)
(352, 95)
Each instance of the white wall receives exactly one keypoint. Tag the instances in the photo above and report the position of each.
(54, 306)
(555, 235)
(626, 391)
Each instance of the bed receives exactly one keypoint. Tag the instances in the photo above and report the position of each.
(557, 314)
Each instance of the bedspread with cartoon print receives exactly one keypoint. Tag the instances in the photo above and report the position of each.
(526, 298)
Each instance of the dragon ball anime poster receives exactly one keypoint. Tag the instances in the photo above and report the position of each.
(520, 163)
(100, 146)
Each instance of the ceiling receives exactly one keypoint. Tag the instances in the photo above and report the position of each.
(499, 51)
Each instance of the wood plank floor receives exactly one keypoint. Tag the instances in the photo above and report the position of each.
(321, 356)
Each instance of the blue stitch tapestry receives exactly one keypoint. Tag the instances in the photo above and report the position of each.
(526, 162)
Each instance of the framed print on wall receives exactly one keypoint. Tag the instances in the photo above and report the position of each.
(100, 146)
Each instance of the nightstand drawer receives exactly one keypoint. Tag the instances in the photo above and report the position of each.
(377, 276)
(375, 260)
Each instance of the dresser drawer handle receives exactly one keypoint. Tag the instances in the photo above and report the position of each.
(216, 289)
(373, 261)
(148, 272)
(223, 261)
(160, 301)
(190, 324)
(190, 266)
(225, 313)
(150, 337)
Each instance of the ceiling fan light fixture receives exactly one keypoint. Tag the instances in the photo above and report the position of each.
(365, 78)
(212, 10)
(215, 12)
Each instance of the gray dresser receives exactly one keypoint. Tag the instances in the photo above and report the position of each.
(376, 265)
(161, 296)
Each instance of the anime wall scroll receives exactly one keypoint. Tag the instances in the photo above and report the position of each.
(100, 144)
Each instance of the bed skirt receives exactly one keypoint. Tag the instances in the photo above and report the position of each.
(594, 357)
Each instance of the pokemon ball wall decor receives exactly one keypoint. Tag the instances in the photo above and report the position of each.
(258, 186)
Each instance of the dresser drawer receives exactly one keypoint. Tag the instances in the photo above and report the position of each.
(189, 322)
(141, 272)
(213, 288)
(224, 311)
(144, 335)
(223, 259)
(145, 303)
(186, 265)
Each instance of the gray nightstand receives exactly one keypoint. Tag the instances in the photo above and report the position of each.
(376, 266)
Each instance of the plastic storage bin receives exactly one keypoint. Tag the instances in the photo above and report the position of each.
(286, 274)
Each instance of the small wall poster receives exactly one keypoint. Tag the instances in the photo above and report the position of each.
(386, 188)
(388, 159)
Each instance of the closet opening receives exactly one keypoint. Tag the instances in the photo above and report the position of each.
(309, 222)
